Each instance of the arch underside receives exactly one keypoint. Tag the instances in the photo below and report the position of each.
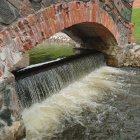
(91, 35)
(88, 21)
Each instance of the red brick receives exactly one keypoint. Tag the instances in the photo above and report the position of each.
(77, 5)
(16, 30)
(51, 12)
(18, 43)
(21, 25)
(45, 14)
(71, 5)
(31, 20)
(11, 32)
(38, 29)
(94, 12)
(5, 37)
(58, 21)
(52, 26)
(33, 30)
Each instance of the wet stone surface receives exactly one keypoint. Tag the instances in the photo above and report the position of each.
(5, 99)
(9, 109)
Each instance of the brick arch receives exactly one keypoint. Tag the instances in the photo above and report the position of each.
(92, 35)
(27, 32)
(35, 28)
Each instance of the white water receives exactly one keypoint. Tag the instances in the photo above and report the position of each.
(39, 85)
(104, 105)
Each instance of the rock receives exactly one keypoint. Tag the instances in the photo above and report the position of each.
(2, 85)
(112, 61)
(36, 4)
(1, 101)
(131, 51)
(2, 56)
(128, 47)
(15, 132)
(1, 27)
(8, 12)
(133, 57)
(9, 109)
(5, 115)
(136, 47)
(134, 44)
(24, 62)
(24, 7)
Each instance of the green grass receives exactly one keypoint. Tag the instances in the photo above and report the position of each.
(136, 21)
(50, 52)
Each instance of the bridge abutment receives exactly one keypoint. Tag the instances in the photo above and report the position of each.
(11, 125)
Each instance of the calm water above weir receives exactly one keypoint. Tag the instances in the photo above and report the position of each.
(102, 105)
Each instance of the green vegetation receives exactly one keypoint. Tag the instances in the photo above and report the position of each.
(136, 21)
(48, 52)
(52, 51)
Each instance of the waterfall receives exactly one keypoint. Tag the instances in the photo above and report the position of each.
(81, 100)
(37, 86)
(105, 105)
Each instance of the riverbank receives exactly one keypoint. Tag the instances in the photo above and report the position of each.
(136, 21)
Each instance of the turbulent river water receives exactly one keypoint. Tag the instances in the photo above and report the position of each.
(102, 105)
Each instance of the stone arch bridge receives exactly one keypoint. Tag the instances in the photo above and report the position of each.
(104, 25)
(26, 23)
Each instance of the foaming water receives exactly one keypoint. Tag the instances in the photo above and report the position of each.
(39, 85)
(104, 105)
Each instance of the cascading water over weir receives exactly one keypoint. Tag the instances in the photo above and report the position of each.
(37, 86)
(80, 99)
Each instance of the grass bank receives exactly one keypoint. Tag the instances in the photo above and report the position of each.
(136, 21)
(48, 52)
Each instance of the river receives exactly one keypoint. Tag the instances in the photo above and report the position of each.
(104, 104)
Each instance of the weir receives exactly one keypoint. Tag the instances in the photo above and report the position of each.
(36, 84)
(80, 99)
